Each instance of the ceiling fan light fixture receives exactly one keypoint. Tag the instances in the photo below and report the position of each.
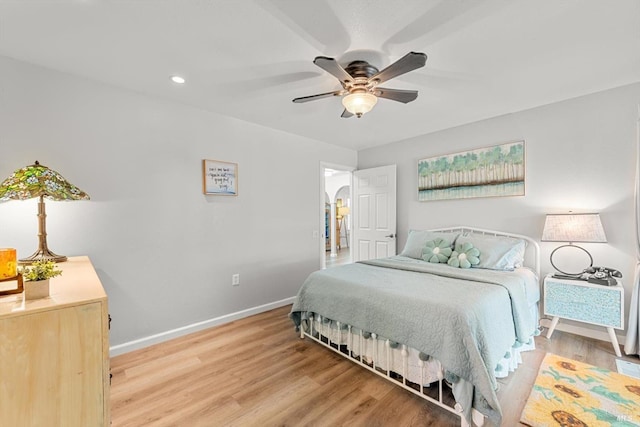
(360, 82)
(359, 103)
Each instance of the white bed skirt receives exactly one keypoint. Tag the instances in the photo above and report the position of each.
(389, 355)
(410, 365)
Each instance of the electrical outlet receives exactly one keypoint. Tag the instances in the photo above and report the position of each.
(235, 280)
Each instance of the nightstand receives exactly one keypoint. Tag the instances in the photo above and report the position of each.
(585, 302)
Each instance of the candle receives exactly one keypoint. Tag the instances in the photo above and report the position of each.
(8, 265)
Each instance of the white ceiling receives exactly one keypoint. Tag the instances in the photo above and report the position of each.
(249, 58)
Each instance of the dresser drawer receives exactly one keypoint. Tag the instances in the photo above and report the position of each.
(599, 305)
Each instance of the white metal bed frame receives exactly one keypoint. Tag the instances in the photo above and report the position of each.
(531, 260)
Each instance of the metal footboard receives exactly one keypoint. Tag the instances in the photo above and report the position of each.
(388, 374)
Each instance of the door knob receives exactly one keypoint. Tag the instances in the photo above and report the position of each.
(391, 236)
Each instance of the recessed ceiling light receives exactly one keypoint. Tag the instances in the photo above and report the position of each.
(178, 79)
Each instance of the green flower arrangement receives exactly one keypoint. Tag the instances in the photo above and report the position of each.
(437, 250)
(464, 256)
(40, 270)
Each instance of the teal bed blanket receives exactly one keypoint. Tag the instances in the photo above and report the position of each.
(466, 318)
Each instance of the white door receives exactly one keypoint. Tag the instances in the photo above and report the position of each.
(374, 213)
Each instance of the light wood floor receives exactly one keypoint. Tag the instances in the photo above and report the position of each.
(343, 257)
(258, 372)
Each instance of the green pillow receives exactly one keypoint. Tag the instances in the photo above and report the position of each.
(464, 256)
(436, 250)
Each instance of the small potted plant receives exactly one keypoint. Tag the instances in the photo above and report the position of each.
(37, 277)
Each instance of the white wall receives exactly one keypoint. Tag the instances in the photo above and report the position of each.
(165, 252)
(580, 156)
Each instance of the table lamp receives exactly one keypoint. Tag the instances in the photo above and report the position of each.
(39, 181)
(572, 228)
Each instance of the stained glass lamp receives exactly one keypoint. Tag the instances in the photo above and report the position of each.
(39, 181)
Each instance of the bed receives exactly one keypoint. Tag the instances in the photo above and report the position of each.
(427, 325)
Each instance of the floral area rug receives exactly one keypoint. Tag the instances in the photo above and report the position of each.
(569, 393)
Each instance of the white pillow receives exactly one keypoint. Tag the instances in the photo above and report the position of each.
(496, 252)
(417, 240)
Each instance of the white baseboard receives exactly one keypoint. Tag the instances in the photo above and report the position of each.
(195, 327)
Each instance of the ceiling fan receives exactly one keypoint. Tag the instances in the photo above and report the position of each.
(360, 82)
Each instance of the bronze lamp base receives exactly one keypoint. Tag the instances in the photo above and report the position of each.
(43, 253)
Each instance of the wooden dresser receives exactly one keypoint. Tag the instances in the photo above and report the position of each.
(54, 353)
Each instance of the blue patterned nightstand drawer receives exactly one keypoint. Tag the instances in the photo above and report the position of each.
(599, 305)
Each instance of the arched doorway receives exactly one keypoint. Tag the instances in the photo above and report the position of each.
(336, 216)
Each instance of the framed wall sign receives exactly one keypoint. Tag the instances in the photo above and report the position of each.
(219, 178)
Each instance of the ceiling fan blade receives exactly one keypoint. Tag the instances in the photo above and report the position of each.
(346, 114)
(332, 67)
(403, 96)
(318, 96)
(409, 62)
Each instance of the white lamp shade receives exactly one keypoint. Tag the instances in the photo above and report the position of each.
(359, 103)
(573, 228)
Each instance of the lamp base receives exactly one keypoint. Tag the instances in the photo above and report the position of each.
(42, 255)
(570, 246)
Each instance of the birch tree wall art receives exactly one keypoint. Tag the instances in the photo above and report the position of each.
(485, 172)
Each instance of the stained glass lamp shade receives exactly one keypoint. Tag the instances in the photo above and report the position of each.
(39, 181)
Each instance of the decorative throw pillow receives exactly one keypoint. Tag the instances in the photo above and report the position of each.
(417, 239)
(498, 252)
(437, 250)
(464, 256)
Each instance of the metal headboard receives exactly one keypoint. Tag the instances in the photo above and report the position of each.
(532, 251)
